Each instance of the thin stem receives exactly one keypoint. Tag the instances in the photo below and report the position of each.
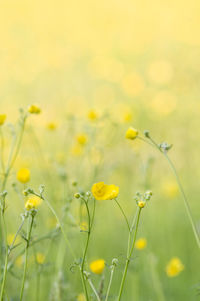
(85, 251)
(26, 257)
(188, 210)
(129, 257)
(60, 225)
(15, 237)
(6, 259)
(110, 282)
(155, 278)
(93, 288)
(122, 211)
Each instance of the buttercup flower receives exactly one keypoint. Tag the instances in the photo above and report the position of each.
(40, 258)
(82, 139)
(174, 267)
(2, 119)
(97, 266)
(141, 243)
(34, 109)
(33, 202)
(81, 297)
(23, 175)
(141, 204)
(103, 191)
(51, 126)
(131, 133)
(92, 115)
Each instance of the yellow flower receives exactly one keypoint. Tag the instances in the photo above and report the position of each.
(33, 202)
(51, 126)
(141, 243)
(82, 139)
(97, 266)
(92, 115)
(141, 204)
(84, 226)
(81, 297)
(40, 258)
(10, 239)
(34, 109)
(103, 191)
(23, 175)
(2, 118)
(131, 133)
(174, 267)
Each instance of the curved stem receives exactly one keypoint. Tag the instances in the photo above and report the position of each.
(129, 257)
(94, 290)
(122, 211)
(26, 257)
(110, 282)
(6, 259)
(186, 203)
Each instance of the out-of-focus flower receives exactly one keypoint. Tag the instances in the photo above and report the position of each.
(40, 258)
(23, 175)
(97, 266)
(92, 115)
(2, 119)
(33, 202)
(10, 239)
(84, 226)
(82, 139)
(141, 243)
(51, 126)
(131, 133)
(34, 109)
(174, 267)
(170, 189)
(81, 297)
(103, 191)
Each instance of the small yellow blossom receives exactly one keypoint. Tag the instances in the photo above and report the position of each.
(141, 243)
(40, 258)
(131, 133)
(128, 116)
(174, 267)
(82, 139)
(2, 119)
(141, 204)
(33, 202)
(103, 191)
(10, 239)
(23, 175)
(84, 226)
(97, 266)
(51, 126)
(34, 109)
(81, 297)
(92, 115)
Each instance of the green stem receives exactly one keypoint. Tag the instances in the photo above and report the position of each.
(26, 257)
(110, 282)
(60, 225)
(2, 151)
(122, 211)
(155, 278)
(186, 203)
(85, 251)
(93, 288)
(6, 259)
(129, 257)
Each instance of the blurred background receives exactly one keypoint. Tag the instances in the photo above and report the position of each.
(95, 68)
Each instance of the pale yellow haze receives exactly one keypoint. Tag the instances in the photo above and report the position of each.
(40, 33)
